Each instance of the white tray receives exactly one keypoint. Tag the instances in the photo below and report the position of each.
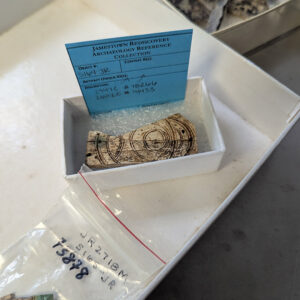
(254, 112)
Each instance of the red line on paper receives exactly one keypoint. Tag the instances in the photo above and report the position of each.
(110, 211)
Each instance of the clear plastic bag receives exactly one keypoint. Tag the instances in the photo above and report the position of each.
(82, 250)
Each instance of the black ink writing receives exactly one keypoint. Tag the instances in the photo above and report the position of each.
(66, 259)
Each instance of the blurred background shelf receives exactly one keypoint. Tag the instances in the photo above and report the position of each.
(258, 30)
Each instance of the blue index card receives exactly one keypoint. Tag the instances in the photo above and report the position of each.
(132, 71)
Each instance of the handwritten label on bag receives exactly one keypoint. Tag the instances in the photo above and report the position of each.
(132, 71)
(89, 251)
(70, 257)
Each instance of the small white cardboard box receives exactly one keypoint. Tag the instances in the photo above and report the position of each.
(76, 124)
